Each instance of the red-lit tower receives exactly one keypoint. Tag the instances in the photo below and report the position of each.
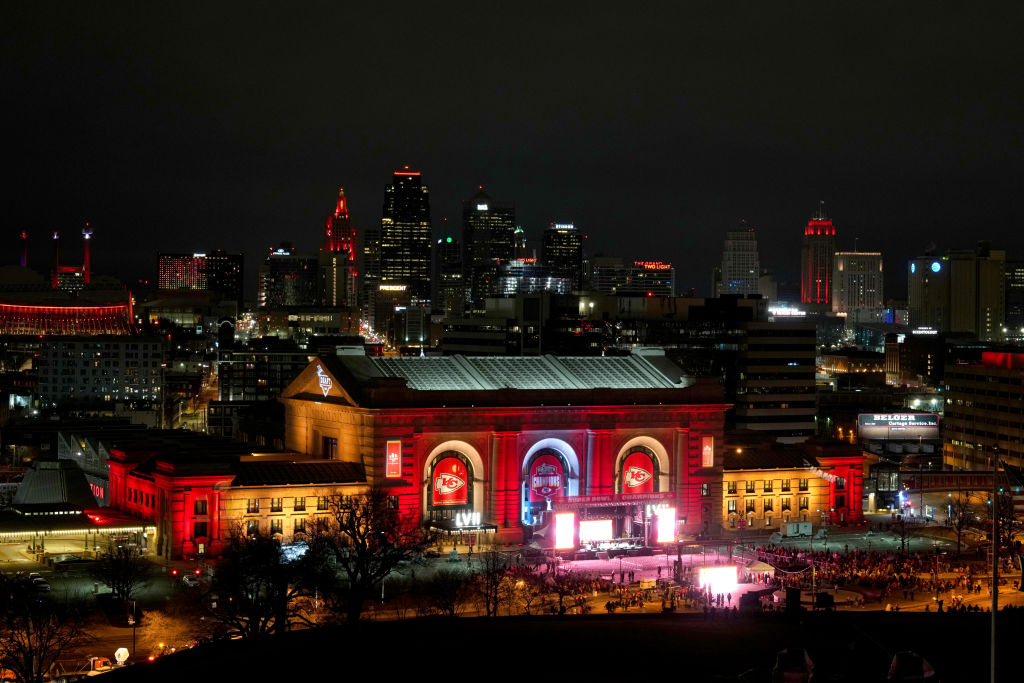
(816, 259)
(24, 249)
(338, 257)
(87, 241)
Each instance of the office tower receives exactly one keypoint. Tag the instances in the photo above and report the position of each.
(775, 392)
(451, 285)
(562, 253)
(370, 273)
(609, 275)
(338, 257)
(488, 233)
(287, 278)
(962, 292)
(857, 286)
(218, 271)
(740, 264)
(816, 259)
(1015, 299)
(405, 237)
(520, 243)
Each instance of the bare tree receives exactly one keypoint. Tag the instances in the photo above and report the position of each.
(563, 584)
(366, 538)
(257, 589)
(34, 633)
(961, 511)
(447, 592)
(489, 578)
(123, 569)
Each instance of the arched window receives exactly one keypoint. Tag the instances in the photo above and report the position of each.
(451, 483)
(639, 471)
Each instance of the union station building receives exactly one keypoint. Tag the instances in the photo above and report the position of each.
(502, 445)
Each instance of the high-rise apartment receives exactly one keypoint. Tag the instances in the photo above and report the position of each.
(562, 253)
(287, 278)
(488, 230)
(451, 285)
(405, 236)
(816, 258)
(741, 267)
(857, 286)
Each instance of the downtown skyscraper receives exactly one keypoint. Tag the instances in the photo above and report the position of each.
(338, 257)
(741, 267)
(405, 237)
(488, 234)
(816, 259)
(562, 253)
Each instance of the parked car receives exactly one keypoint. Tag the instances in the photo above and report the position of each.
(190, 580)
(41, 584)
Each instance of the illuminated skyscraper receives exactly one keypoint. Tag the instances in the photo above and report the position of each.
(857, 286)
(741, 267)
(562, 253)
(405, 237)
(338, 257)
(816, 259)
(287, 278)
(217, 271)
(488, 229)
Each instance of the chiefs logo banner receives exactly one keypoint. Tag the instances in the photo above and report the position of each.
(394, 460)
(638, 473)
(546, 478)
(450, 478)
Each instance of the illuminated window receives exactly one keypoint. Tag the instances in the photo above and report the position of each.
(322, 503)
(300, 504)
(804, 485)
(731, 487)
(751, 505)
(785, 484)
(277, 526)
(751, 486)
(705, 490)
(786, 504)
(252, 528)
(768, 486)
(769, 505)
(840, 483)
(252, 506)
(805, 503)
(732, 507)
(276, 505)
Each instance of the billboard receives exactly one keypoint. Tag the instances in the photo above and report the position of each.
(451, 482)
(638, 473)
(899, 426)
(546, 478)
(393, 467)
(594, 530)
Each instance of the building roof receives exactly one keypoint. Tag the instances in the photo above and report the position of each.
(487, 373)
(52, 487)
(778, 457)
(304, 473)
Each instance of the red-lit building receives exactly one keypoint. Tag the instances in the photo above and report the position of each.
(471, 444)
(816, 259)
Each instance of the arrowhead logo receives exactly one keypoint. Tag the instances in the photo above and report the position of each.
(325, 380)
(445, 484)
(637, 476)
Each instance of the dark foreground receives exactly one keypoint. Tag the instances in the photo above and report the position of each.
(845, 646)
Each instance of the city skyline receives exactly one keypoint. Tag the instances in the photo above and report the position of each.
(167, 133)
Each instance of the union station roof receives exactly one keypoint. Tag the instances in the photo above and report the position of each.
(645, 376)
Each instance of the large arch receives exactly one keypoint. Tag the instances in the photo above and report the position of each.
(473, 456)
(660, 452)
(567, 452)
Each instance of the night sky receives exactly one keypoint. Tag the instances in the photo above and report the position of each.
(196, 126)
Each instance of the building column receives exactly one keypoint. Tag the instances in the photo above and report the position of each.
(513, 484)
(498, 489)
(604, 474)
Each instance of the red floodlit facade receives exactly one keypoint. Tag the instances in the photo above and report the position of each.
(77, 320)
(506, 460)
(817, 254)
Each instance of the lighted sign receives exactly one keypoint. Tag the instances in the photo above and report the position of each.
(325, 380)
(546, 478)
(913, 267)
(450, 477)
(481, 207)
(391, 288)
(565, 530)
(936, 266)
(653, 265)
(595, 530)
(564, 226)
(394, 460)
(786, 311)
(667, 525)
(637, 473)
(467, 519)
(718, 580)
(898, 425)
(707, 451)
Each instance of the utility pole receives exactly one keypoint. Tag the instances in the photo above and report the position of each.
(995, 555)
